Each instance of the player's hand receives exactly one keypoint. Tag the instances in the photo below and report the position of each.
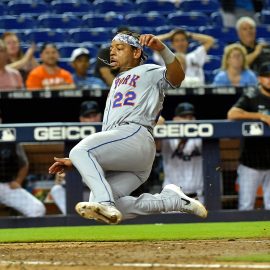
(60, 165)
(152, 42)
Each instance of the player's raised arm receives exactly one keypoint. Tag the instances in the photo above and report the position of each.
(175, 73)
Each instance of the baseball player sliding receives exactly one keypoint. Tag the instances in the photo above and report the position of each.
(117, 160)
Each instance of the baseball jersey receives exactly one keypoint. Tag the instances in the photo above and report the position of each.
(255, 151)
(136, 96)
(181, 171)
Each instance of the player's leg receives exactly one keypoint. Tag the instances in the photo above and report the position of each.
(58, 193)
(248, 180)
(22, 201)
(169, 200)
(266, 190)
(127, 148)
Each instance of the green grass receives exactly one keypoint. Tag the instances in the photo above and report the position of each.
(190, 231)
(256, 258)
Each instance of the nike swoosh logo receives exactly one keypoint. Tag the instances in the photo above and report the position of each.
(187, 202)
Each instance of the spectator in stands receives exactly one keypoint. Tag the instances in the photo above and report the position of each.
(103, 69)
(195, 59)
(80, 61)
(182, 160)
(232, 10)
(257, 52)
(234, 70)
(24, 63)
(10, 78)
(89, 113)
(48, 75)
(189, 81)
(254, 167)
(13, 170)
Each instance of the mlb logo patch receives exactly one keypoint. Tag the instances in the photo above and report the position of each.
(7, 134)
(252, 129)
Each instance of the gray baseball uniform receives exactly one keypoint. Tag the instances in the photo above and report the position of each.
(119, 159)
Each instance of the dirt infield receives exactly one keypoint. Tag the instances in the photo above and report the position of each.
(131, 255)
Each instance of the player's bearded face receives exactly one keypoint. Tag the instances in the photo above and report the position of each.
(121, 56)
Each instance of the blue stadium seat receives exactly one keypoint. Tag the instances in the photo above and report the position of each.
(16, 22)
(73, 6)
(119, 6)
(263, 31)
(167, 28)
(34, 7)
(55, 21)
(163, 7)
(214, 62)
(3, 9)
(223, 34)
(204, 6)
(265, 17)
(46, 35)
(108, 20)
(65, 49)
(65, 64)
(145, 20)
(97, 36)
(217, 49)
(216, 19)
(188, 19)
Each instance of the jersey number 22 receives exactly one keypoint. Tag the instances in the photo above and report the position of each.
(122, 100)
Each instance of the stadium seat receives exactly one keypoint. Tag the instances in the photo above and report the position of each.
(97, 36)
(188, 19)
(204, 6)
(46, 35)
(65, 49)
(167, 28)
(224, 34)
(65, 64)
(217, 49)
(3, 9)
(9, 22)
(216, 19)
(265, 17)
(108, 20)
(214, 62)
(263, 31)
(145, 20)
(55, 21)
(33, 7)
(119, 6)
(73, 6)
(163, 7)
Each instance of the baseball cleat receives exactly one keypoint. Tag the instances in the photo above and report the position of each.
(100, 212)
(187, 205)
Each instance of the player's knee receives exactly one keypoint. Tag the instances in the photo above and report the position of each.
(74, 153)
(38, 210)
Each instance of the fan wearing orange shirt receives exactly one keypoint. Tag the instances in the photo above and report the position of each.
(48, 75)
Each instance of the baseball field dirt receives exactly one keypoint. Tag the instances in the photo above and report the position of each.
(196, 254)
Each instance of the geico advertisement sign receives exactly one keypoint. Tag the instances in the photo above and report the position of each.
(184, 130)
(62, 133)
